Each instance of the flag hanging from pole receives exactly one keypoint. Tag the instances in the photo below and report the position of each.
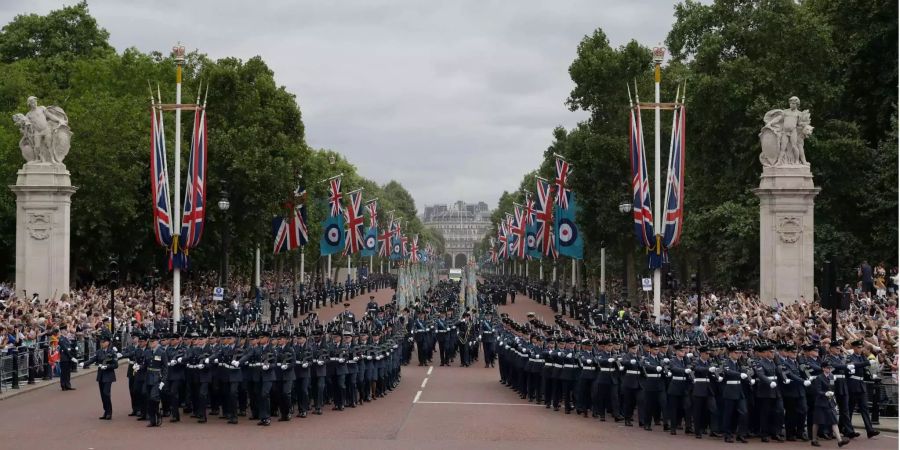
(674, 214)
(519, 230)
(195, 190)
(159, 179)
(414, 255)
(333, 227)
(543, 215)
(384, 250)
(567, 235)
(640, 184)
(355, 220)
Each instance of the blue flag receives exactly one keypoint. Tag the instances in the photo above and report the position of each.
(533, 250)
(568, 239)
(396, 249)
(370, 243)
(332, 235)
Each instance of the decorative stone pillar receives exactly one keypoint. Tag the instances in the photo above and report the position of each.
(43, 212)
(786, 234)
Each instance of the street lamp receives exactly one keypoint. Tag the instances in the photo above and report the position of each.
(224, 204)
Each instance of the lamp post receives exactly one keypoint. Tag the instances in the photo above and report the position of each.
(625, 208)
(224, 204)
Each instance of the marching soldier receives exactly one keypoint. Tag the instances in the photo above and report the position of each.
(107, 361)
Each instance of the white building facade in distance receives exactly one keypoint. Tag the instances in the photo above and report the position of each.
(462, 224)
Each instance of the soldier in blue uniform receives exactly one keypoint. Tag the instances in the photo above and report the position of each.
(68, 358)
(107, 360)
(678, 392)
(858, 365)
(794, 394)
(302, 372)
(488, 339)
(768, 395)
(734, 402)
(652, 386)
(157, 362)
(703, 394)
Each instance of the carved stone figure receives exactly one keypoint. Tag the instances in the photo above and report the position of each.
(46, 136)
(783, 134)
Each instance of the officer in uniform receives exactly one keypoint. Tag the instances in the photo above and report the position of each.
(857, 366)
(652, 386)
(734, 403)
(794, 395)
(107, 361)
(442, 329)
(767, 394)
(488, 338)
(68, 358)
(284, 375)
(302, 372)
(678, 393)
(155, 379)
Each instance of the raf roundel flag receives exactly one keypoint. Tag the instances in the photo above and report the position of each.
(332, 235)
(370, 243)
(568, 238)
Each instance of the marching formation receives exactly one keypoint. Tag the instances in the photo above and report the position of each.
(715, 387)
(263, 372)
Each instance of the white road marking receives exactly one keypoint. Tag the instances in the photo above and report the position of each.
(424, 382)
(418, 394)
(430, 369)
(476, 403)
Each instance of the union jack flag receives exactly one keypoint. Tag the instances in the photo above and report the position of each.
(518, 230)
(640, 185)
(355, 220)
(334, 196)
(529, 210)
(674, 215)
(195, 190)
(414, 250)
(503, 240)
(290, 233)
(159, 180)
(385, 239)
(543, 214)
(372, 206)
(562, 176)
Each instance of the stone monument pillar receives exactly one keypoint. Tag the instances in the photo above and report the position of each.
(786, 193)
(43, 203)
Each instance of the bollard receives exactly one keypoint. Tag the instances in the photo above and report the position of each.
(48, 370)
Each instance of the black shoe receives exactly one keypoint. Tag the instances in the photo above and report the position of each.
(603, 418)
(104, 417)
(790, 439)
(628, 423)
(873, 433)
(765, 439)
(232, 421)
(263, 423)
(673, 432)
(284, 419)
(174, 420)
(688, 430)
(815, 444)
(714, 435)
(202, 420)
(133, 414)
(843, 442)
(318, 412)
(141, 418)
(778, 439)
(665, 427)
(648, 428)
(698, 436)
(242, 413)
(741, 439)
(729, 439)
(853, 435)
(303, 415)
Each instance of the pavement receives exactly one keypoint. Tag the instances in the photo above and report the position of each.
(433, 408)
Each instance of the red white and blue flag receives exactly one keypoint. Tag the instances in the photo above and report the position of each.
(640, 184)
(519, 231)
(195, 190)
(355, 221)
(372, 206)
(562, 176)
(384, 239)
(503, 240)
(543, 214)
(334, 196)
(674, 214)
(414, 250)
(290, 233)
(159, 180)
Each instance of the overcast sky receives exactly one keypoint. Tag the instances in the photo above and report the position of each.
(456, 100)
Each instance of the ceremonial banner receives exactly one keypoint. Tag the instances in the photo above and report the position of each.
(543, 215)
(159, 180)
(640, 185)
(371, 242)
(355, 220)
(674, 214)
(567, 235)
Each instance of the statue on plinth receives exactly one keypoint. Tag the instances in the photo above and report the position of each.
(783, 135)
(46, 136)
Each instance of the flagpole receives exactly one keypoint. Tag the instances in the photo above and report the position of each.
(328, 274)
(302, 265)
(256, 272)
(573, 274)
(176, 204)
(658, 55)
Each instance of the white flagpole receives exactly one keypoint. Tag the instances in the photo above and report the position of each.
(176, 204)
(257, 268)
(348, 268)
(328, 273)
(303, 265)
(659, 54)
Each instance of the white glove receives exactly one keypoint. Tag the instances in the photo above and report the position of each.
(611, 360)
(395, 346)
(559, 354)
(234, 363)
(787, 381)
(137, 367)
(852, 371)
(851, 366)
(752, 381)
(713, 369)
(633, 361)
(621, 369)
(81, 365)
(665, 360)
(74, 360)
(690, 355)
(103, 367)
(807, 383)
(369, 357)
(200, 366)
(118, 355)
(590, 361)
(206, 361)
(668, 374)
(305, 365)
(341, 360)
(265, 367)
(161, 384)
(688, 371)
(743, 376)
(355, 358)
(216, 360)
(321, 363)
(829, 394)
(773, 384)
(284, 367)
(659, 368)
(179, 359)
(569, 355)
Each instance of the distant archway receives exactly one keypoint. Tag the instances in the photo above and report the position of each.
(459, 261)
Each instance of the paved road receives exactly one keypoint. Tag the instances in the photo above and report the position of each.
(434, 407)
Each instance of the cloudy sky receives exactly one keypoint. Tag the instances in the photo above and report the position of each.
(456, 100)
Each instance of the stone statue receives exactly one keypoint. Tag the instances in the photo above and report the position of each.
(783, 134)
(46, 136)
